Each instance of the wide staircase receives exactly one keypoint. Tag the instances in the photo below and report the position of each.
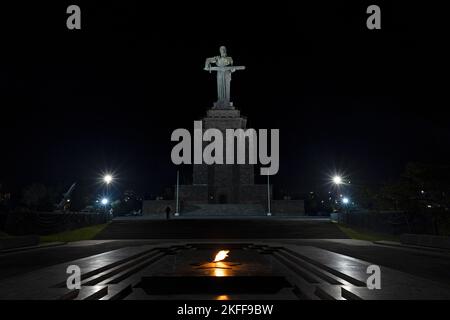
(219, 210)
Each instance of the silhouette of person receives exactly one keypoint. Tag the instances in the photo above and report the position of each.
(167, 213)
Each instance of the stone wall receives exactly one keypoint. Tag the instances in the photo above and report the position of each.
(157, 208)
(426, 240)
(194, 193)
(254, 193)
(390, 222)
(17, 242)
(42, 223)
(288, 207)
(251, 193)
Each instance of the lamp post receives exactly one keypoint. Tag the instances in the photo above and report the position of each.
(337, 180)
(268, 196)
(107, 179)
(177, 210)
(345, 202)
(105, 202)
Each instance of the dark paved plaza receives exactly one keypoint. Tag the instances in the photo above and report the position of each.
(261, 228)
(132, 259)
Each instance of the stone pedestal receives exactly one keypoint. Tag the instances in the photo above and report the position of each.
(224, 183)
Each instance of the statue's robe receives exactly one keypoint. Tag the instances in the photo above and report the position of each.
(223, 80)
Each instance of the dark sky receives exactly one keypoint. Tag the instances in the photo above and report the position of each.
(76, 103)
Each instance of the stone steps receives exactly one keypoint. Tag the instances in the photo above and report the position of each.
(204, 210)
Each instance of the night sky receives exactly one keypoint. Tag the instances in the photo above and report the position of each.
(77, 103)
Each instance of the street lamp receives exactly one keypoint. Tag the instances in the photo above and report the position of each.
(105, 202)
(108, 179)
(345, 200)
(337, 180)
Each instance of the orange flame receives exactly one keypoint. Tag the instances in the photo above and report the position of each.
(221, 255)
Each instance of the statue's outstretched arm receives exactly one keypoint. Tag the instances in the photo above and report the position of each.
(230, 60)
(209, 61)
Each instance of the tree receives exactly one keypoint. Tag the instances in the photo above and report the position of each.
(38, 197)
(422, 189)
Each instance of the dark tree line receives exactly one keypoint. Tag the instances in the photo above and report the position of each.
(422, 189)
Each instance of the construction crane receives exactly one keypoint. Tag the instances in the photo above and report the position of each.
(66, 198)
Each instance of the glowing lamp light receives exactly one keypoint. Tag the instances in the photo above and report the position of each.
(108, 179)
(337, 180)
(105, 201)
(345, 200)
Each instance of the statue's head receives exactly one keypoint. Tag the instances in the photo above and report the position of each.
(223, 51)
